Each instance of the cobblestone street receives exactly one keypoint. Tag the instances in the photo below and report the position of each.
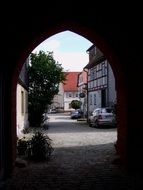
(82, 160)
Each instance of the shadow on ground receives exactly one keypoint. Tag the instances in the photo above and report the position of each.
(73, 168)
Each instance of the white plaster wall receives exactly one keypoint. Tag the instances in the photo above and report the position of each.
(22, 118)
(92, 106)
(67, 101)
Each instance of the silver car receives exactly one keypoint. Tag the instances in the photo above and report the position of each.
(102, 117)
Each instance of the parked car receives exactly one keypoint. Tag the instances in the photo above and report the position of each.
(75, 114)
(52, 111)
(102, 117)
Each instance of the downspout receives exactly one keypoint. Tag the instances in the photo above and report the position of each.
(86, 70)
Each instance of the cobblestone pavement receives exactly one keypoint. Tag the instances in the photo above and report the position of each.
(82, 160)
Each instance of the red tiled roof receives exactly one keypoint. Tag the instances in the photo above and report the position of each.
(71, 82)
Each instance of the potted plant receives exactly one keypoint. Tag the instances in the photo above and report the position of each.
(21, 146)
(39, 147)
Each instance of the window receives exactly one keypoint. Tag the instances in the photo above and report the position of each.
(92, 74)
(104, 69)
(95, 75)
(95, 83)
(91, 84)
(104, 80)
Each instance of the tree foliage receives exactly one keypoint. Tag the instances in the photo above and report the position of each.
(45, 74)
(75, 104)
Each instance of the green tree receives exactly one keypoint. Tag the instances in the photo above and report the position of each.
(75, 104)
(45, 74)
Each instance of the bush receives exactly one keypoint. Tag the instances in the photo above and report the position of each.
(39, 147)
(21, 146)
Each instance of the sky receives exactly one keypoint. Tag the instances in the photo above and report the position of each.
(69, 50)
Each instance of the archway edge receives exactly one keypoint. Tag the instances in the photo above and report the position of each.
(101, 43)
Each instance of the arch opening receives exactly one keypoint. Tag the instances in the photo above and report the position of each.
(115, 64)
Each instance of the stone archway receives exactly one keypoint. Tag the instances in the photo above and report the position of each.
(115, 64)
(20, 53)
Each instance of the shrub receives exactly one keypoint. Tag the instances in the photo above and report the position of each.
(21, 146)
(39, 147)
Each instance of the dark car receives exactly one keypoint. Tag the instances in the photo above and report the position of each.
(75, 114)
(52, 111)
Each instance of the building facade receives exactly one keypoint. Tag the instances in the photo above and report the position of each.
(101, 81)
(82, 91)
(22, 100)
(70, 90)
(58, 100)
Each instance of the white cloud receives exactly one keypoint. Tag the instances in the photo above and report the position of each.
(71, 61)
(51, 45)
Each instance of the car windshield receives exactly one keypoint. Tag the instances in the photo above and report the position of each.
(107, 110)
